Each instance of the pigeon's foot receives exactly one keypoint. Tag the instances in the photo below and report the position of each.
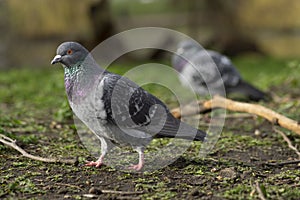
(98, 163)
(137, 167)
(92, 163)
(141, 163)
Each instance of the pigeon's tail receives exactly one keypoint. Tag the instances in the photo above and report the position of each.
(187, 132)
(249, 91)
(178, 129)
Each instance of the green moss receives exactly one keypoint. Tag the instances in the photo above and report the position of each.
(240, 191)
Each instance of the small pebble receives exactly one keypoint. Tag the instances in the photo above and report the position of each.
(213, 170)
(257, 132)
(228, 173)
(94, 190)
(194, 192)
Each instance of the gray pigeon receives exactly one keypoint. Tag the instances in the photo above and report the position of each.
(114, 108)
(211, 72)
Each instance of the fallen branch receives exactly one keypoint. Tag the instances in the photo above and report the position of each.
(237, 116)
(190, 109)
(290, 145)
(221, 102)
(12, 143)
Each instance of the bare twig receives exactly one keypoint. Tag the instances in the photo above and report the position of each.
(252, 192)
(270, 115)
(121, 192)
(68, 185)
(98, 191)
(12, 143)
(260, 193)
(290, 162)
(92, 196)
(295, 185)
(291, 146)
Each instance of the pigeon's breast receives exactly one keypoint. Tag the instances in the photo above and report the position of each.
(90, 110)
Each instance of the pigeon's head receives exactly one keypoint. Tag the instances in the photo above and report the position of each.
(188, 45)
(70, 54)
(185, 51)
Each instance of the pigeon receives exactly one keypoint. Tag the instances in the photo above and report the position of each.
(114, 108)
(208, 71)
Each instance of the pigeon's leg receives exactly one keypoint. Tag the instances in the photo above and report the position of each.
(104, 149)
(141, 163)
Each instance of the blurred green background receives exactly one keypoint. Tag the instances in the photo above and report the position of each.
(262, 38)
(32, 29)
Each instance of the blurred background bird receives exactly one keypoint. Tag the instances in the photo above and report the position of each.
(209, 72)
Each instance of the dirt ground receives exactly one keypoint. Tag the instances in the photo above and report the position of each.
(246, 159)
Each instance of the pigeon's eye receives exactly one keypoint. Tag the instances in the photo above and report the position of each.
(69, 52)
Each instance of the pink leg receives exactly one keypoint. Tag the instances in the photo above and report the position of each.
(98, 163)
(141, 163)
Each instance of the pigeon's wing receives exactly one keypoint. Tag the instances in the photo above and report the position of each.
(152, 116)
(131, 107)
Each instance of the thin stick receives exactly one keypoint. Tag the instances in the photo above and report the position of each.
(290, 145)
(119, 197)
(12, 143)
(290, 162)
(295, 185)
(68, 185)
(121, 192)
(260, 193)
(98, 191)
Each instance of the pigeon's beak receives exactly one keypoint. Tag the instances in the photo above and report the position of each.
(56, 59)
